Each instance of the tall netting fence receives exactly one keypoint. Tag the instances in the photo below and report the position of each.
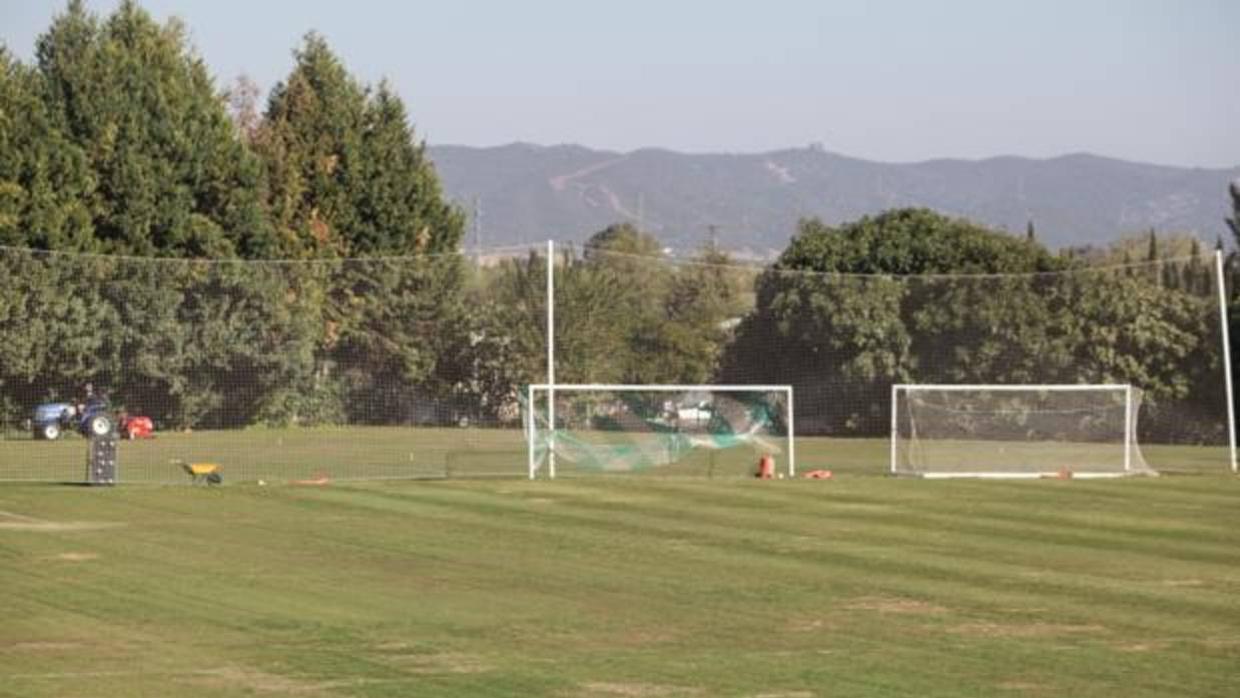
(421, 366)
(842, 341)
(309, 370)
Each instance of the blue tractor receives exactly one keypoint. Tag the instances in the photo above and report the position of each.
(90, 419)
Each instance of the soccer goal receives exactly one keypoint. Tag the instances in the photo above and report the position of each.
(1014, 431)
(705, 430)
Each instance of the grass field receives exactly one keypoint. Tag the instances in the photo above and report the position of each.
(620, 587)
(345, 453)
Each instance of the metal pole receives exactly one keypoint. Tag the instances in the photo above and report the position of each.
(792, 438)
(1222, 321)
(551, 358)
(1129, 437)
(531, 428)
(894, 427)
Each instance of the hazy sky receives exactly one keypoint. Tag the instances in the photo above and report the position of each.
(1151, 80)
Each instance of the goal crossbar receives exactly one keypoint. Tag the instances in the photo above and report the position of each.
(665, 387)
(1047, 387)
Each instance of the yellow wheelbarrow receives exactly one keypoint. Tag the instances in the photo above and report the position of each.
(202, 473)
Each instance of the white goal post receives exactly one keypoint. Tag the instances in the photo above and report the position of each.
(545, 392)
(1015, 431)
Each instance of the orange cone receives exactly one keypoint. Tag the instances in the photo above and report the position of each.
(766, 467)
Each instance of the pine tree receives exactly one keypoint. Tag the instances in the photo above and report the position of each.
(311, 144)
(1154, 272)
(346, 179)
(1196, 278)
(172, 178)
(45, 184)
(346, 176)
(401, 208)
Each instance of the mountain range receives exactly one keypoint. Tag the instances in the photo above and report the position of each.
(750, 203)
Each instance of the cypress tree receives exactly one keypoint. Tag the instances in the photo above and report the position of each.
(401, 208)
(346, 179)
(346, 176)
(1233, 223)
(45, 184)
(311, 144)
(172, 178)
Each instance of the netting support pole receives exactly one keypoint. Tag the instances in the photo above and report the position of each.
(1222, 321)
(1129, 437)
(551, 359)
(792, 437)
(894, 434)
(530, 429)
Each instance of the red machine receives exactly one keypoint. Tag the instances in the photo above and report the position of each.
(137, 428)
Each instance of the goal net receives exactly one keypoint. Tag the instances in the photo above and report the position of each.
(1015, 431)
(702, 430)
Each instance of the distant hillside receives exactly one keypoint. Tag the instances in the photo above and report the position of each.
(531, 193)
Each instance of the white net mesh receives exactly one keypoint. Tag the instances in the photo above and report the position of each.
(1014, 431)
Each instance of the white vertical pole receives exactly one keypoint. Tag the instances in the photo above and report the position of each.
(894, 427)
(1222, 321)
(551, 358)
(1129, 437)
(530, 428)
(792, 438)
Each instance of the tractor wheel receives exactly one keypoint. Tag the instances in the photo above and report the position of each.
(99, 425)
(50, 432)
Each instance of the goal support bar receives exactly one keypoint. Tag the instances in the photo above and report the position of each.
(1224, 331)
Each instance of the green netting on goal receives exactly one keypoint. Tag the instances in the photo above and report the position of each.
(666, 430)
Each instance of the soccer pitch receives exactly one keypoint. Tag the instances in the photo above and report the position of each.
(361, 452)
(621, 587)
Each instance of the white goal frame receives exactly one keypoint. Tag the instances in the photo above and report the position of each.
(551, 389)
(1130, 436)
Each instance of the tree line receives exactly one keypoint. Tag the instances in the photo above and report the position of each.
(138, 199)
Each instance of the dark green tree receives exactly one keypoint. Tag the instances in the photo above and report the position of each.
(348, 183)
(1233, 223)
(943, 300)
(705, 298)
(631, 262)
(311, 144)
(171, 178)
(401, 206)
(501, 347)
(45, 183)
(346, 176)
